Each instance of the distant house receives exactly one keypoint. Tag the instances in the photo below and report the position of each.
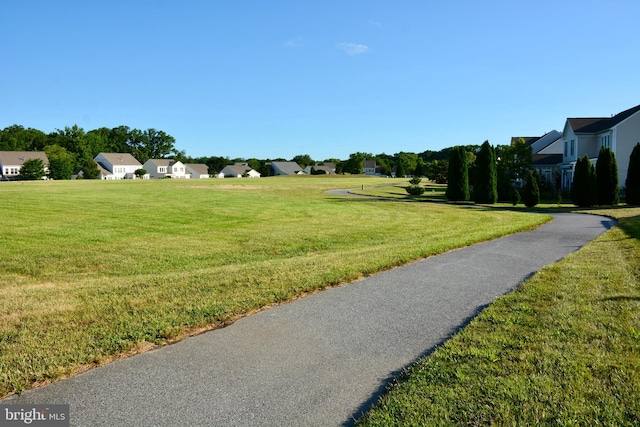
(327, 168)
(117, 166)
(546, 153)
(165, 168)
(370, 167)
(197, 170)
(11, 162)
(286, 168)
(585, 136)
(238, 170)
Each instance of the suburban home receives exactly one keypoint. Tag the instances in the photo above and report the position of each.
(585, 136)
(165, 168)
(370, 167)
(327, 168)
(238, 170)
(197, 170)
(117, 166)
(286, 168)
(546, 153)
(11, 162)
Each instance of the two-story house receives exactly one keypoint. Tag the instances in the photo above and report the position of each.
(585, 136)
(117, 165)
(165, 168)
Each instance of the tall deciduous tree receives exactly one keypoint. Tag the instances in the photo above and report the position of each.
(150, 144)
(607, 177)
(61, 162)
(458, 176)
(633, 177)
(485, 189)
(584, 191)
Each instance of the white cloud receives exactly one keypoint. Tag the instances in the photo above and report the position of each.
(353, 48)
(297, 42)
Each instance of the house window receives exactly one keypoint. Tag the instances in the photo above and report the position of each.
(605, 141)
(573, 146)
(162, 169)
(566, 148)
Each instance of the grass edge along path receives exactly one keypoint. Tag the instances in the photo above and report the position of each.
(82, 287)
(562, 349)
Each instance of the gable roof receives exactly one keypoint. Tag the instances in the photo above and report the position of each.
(546, 159)
(19, 157)
(121, 159)
(287, 168)
(199, 168)
(238, 168)
(163, 162)
(599, 124)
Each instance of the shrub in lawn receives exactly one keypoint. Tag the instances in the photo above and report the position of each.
(458, 177)
(633, 177)
(415, 180)
(530, 192)
(486, 182)
(584, 191)
(32, 169)
(516, 197)
(607, 177)
(415, 190)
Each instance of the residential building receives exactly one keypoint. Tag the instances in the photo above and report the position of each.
(238, 170)
(585, 136)
(11, 162)
(117, 166)
(286, 168)
(165, 168)
(197, 170)
(327, 168)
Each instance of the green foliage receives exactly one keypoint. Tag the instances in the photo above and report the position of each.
(458, 177)
(415, 180)
(140, 172)
(355, 164)
(607, 177)
(415, 190)
(633, 177)
(61, 162)
(516, 200)
(303, 160)
(530, 192)
(437, 171)
(485, 189)
(90, 169)
(32, 169)
(584, 191)
(513, 163)
(406, 164)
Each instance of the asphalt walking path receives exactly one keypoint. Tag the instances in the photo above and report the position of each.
(321, 360)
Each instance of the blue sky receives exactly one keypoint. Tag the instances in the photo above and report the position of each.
(327, 78)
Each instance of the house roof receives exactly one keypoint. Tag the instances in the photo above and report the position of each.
(121, 159)
(599, 124)
(369, 164)
(546, 159)
(19, 157)
(288, 168)
(238, 168)
(163, 162)
(199, 168)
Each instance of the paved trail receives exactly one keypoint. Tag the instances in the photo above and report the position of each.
(321, 360)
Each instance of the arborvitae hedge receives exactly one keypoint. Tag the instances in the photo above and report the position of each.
(530, 192)
(485, 188)
(607, 177)
(584, 192)
(633, 177)
(458, 176)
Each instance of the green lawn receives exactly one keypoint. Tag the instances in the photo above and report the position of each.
(563, 349)
(92, 271)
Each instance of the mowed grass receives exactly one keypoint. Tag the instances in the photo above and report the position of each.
(563, 349)
(92, 271)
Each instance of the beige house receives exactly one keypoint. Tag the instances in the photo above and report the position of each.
(165, 168)
(197, 170)
(238, 170)
(11, 162)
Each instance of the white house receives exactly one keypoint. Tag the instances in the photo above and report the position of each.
(11, 162)
(286, 168)
(197, 170)
(327, 168)
(161, 168)
(585, 136)
(117, 166)
(238, 170)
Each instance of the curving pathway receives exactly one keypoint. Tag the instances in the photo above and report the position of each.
(321, 360)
